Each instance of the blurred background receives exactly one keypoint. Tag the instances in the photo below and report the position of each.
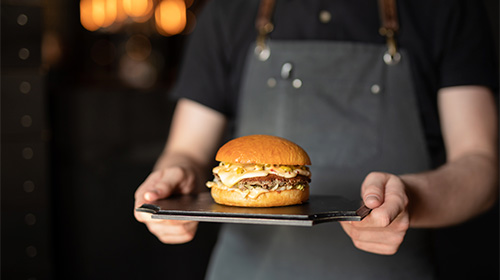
(84, 115)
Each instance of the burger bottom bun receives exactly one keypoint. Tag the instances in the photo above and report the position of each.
(266, 199)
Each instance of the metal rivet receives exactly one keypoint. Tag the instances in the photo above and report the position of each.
(25, 87)
(22, 19)
(28, 153)
(26, 121)
(262, 52)
(286, 70)
(30, 219)
(271, 82)
(31, 251)
(375, 89)
(325, 16)
(28, 186)
(24, 53)
(392, 59)
(297, 83)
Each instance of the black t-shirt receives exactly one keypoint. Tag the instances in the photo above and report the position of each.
(448, 42)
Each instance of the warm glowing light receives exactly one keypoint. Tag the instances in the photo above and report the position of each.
(95, 14)
(170, 17)
(100, 14)
(138, 8)
(121, 15)
(86, 15)
(110, 12)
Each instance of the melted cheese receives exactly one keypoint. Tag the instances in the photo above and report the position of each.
(251, 193)
(231, 173)
(230, 178)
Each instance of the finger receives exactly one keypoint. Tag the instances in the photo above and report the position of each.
(376, 235)
(161, 188)
(148, 186)
(161, 184)
(169, 227)
(378, 240)
(141, 216)
(178, 239)
(373, 189)
(380, 217)
(174, 179)
(395, 203)
(173, 232)
(347, 227)
(377, 248)
(172, 222)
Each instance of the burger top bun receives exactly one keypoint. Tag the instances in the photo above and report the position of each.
(263, 149)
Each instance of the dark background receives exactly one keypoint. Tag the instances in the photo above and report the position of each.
(77, 140)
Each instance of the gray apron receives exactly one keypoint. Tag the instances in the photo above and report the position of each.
(353, 114)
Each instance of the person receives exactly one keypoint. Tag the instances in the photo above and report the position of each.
(406, 120)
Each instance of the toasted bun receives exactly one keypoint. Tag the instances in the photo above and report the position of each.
(268, 199)
(263, 149)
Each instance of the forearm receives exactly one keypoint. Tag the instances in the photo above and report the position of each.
(171, 158)
(453, 193)
(194, 136)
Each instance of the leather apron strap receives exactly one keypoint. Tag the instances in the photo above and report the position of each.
(389, 28)
(264, 27)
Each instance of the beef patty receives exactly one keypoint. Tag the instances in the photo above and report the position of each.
(272, 181)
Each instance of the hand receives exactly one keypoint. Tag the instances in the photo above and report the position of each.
(161, 184)
(384, 229)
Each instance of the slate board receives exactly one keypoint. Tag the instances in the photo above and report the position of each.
(201, 207)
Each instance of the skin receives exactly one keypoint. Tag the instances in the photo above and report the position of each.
(193, 140)
(464, 187)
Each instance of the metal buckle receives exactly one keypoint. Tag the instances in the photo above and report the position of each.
(391, 56)
(262, 49)
(392, 59)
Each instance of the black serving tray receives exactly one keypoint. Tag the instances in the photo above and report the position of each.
(201, 207)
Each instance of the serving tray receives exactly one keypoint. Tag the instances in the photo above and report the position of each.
(201, 207)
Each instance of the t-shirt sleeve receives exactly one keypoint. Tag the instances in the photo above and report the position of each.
(202, 76)
(468, 56)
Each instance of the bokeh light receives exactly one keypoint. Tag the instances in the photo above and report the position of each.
(138, 10)
(170, 17)
(138, 47)
(95, 14)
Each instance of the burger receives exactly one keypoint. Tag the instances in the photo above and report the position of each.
(260, 171)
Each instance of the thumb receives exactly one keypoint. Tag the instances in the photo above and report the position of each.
(152, 195)
(155, 187)
(373, 189)
(164, 183)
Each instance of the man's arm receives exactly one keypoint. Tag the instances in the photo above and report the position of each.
(194, 136)
(464, 187)
(467, 184)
